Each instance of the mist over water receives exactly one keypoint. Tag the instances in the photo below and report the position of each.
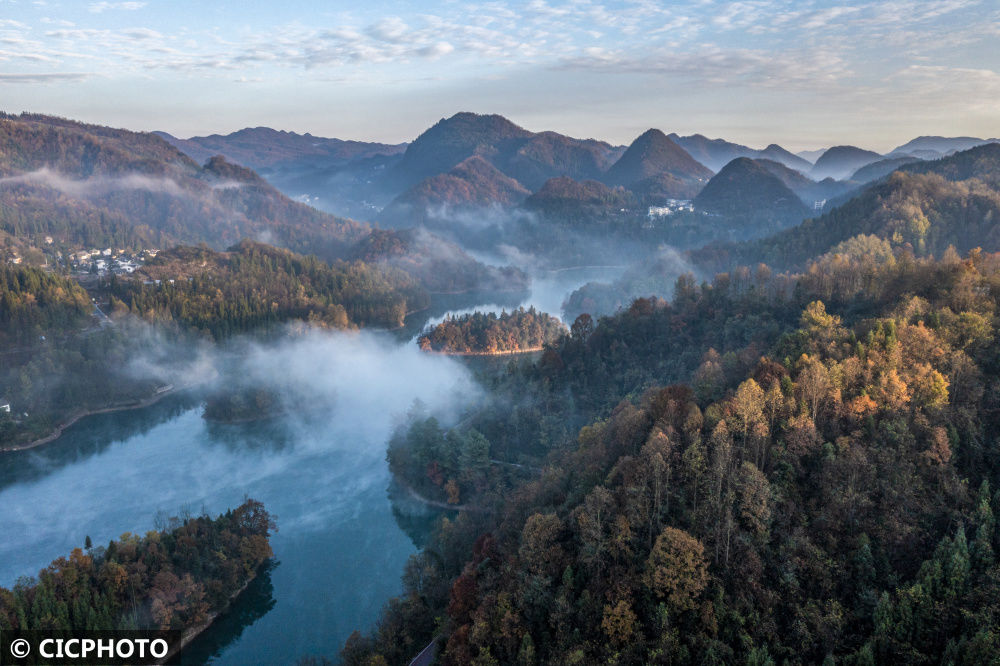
(339, 548)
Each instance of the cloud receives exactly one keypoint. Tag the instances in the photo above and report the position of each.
(714, 65)
(49, 77)
(95, 186)
(142, 33)
(100, 7)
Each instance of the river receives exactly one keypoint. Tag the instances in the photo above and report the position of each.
(343, 534)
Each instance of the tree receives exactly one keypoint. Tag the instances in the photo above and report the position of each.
(619, 622)
(676, 570)
(582, 327)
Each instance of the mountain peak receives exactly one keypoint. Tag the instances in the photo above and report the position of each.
(745, 185)
(841, 161)
(653, 154)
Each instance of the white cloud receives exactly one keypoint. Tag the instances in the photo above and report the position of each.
(99, 7)
(50, 77)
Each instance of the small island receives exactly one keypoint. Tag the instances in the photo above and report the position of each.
(180, 577)
(488, 334)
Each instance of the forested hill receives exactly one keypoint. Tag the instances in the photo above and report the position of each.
(178, 578)
(35, 303)
(926, 206)
(819, 488)
(93, 186)
(255, 285)
(489, 333)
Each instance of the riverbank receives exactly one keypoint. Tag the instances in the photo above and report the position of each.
(191, 633)
(413, 493)
(57, 432)
(515, 352)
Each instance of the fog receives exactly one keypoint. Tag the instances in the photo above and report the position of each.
(322, 473)
(94, 186)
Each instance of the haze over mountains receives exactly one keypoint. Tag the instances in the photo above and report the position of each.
(432, 173)
(477, 181)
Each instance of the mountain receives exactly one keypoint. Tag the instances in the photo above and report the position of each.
(474, 182)
(938, 144)
(811, 155)
(745, 188)
(263, 148)
(981, 162)
(713, 153)
(652, 155)
(549, 155)
(877, 170)
(716, 153)
(925, 206)
(453, 140)
(776, 153)
(840, 162)
(528, 157)
(87, 185)
(808, 190)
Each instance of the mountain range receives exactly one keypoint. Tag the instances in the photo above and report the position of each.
(471, 161)
(97, 186)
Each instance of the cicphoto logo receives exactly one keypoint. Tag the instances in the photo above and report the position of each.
(93, 647)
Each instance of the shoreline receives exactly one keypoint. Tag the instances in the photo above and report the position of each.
(472, 508)
(496, 353)
(59, 429)
(191, 633)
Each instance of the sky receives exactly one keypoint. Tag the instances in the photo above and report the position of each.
(802, 73)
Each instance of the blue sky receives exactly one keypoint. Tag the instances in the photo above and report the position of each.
(802, 73)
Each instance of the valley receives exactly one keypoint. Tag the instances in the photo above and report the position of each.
(592, 402)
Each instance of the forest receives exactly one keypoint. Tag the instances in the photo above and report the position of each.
(34, 302)
(490, 333)
(770, 469)
(177, 577)
(221, 294)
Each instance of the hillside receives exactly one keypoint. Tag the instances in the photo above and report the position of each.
(981, 162)
(253, 286)
(93, 186)
(840, 162)
(651, 155)
(876, 170)
(549, 155)
(568, 199)
(811, 451)
(472, 183)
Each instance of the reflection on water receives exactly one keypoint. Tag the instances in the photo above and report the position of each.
(414, 517)
(253, 604)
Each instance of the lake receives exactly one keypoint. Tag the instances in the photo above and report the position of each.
(343, 534)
